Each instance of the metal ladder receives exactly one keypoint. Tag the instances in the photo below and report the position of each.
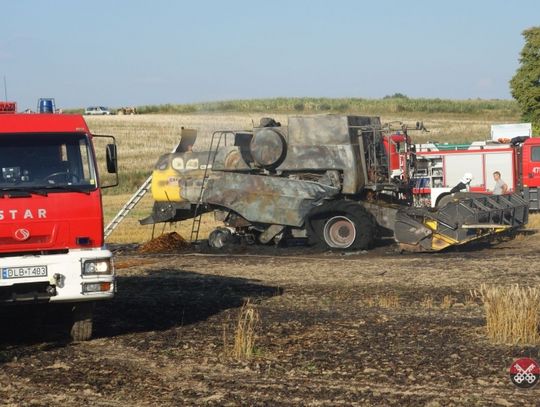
(197, 214)
(133, 201)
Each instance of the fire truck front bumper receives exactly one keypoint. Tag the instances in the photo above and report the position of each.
(75, 276)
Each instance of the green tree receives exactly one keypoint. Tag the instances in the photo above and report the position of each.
(396, 95)
(525, 85)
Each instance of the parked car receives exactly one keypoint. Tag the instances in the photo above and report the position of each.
(96, 110)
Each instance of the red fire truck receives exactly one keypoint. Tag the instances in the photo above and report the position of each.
(440, 166)
(51, 218)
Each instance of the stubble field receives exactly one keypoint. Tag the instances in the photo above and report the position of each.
(366, 328)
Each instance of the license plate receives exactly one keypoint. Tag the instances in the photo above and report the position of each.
(24, 272)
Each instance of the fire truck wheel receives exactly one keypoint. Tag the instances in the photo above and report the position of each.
(82, 321)
(341, 225)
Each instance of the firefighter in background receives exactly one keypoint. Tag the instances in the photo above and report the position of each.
(500, 186)
(463, 184)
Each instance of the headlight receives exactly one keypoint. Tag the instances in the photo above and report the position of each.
(96, 287)
(98, 266)
(177, 163)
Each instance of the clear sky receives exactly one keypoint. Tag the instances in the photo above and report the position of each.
(132, 52)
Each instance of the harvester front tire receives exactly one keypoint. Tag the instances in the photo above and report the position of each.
(341, 225)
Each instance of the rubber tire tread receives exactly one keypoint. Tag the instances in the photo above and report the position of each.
(82, 321)
(363, 220)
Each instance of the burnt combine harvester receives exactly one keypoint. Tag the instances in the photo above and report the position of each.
(326, 178)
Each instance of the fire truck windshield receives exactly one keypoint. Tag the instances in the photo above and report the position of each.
(52, 161)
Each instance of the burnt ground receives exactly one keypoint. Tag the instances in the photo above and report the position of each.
(369, 328)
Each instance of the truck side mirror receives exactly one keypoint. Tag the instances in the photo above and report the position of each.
(112, 158)
(111, 161)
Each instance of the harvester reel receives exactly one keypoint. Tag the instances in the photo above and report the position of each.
(443, 199)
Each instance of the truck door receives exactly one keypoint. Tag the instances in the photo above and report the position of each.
(530, 174)
(531, 163)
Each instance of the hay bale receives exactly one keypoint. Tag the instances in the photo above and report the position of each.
(168, 242)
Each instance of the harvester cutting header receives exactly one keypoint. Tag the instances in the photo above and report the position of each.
(332, 179)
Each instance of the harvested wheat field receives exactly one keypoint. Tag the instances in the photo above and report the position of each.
(280, 326)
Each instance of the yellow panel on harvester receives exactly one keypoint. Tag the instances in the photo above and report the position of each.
(165, 185)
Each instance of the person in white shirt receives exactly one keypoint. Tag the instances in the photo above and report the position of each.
(500, 187)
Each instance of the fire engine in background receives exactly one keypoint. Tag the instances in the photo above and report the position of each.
(51, 218)
(441, 166)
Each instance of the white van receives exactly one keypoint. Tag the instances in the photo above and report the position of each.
(96, 110)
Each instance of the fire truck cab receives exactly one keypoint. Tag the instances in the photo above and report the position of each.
(528, 170)
(51, 216)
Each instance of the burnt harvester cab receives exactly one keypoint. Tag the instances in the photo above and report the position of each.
(329, 178)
